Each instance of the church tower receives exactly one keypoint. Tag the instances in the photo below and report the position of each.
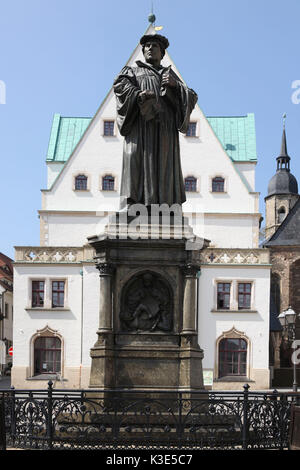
(282, 191)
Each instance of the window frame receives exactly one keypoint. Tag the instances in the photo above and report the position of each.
(219, 283)
(81, 175)
(55, 350)
(105, 122)
(234, 293)
(221, 367)
(245, 294)
(38, 305)
(58, 291)
(213, 181)
(194, 125)
(103, 181)
(193, 180)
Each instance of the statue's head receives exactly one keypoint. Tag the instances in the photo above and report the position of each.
(147, 279)
(154, 46)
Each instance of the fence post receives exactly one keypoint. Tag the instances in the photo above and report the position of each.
(180, 429)
(13, 423)
(49, 415)
(245, 416)
(2, 425)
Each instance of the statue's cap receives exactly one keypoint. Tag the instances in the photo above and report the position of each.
(162, 40)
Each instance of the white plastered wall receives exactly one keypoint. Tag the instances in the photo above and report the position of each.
(76, 324)
(254, 324)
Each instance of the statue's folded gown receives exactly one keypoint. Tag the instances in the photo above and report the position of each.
(151, 172)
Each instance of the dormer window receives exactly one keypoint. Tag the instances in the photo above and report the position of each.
(81, 183)
(190, 184)
(218, 185)
(108, 183)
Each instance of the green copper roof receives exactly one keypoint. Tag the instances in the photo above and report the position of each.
(65, 134)
(236, 134)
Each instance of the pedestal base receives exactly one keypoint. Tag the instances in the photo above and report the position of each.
(147, 338)
(147, 362)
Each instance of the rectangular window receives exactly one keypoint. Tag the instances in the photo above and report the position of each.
(38, 293)
(244, 295)
(223, 295)
(191, 131)
(109, 128)
(58, 293)
(6, 310)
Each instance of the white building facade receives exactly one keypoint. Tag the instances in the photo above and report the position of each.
(56, 285)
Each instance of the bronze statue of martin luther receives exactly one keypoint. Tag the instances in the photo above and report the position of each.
(153, 105)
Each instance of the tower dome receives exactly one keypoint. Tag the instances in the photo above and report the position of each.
(283, 182)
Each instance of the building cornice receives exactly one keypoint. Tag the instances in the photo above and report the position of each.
(225, 257)
(236, 257)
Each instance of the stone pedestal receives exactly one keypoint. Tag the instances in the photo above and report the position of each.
(147, 336)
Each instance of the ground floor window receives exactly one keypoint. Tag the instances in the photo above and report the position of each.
(47, 355)
(232, 357)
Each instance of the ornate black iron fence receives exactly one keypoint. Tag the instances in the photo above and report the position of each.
(90, 419)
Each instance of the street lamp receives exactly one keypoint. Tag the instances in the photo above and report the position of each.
(287, 320)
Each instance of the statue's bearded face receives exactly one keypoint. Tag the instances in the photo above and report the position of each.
(152, 52)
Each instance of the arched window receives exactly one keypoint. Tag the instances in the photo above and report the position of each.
(232, 357)
(108, 183)
(80, 182)
(47, 355)
(190, 184)
(218, 184)
(281, 215)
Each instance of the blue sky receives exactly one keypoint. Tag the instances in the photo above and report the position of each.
(62, 56)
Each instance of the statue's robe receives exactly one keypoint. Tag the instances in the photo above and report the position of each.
(151, 171)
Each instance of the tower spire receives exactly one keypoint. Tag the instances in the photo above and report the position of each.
(283, 160)
(152, 17)
(283, 152)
